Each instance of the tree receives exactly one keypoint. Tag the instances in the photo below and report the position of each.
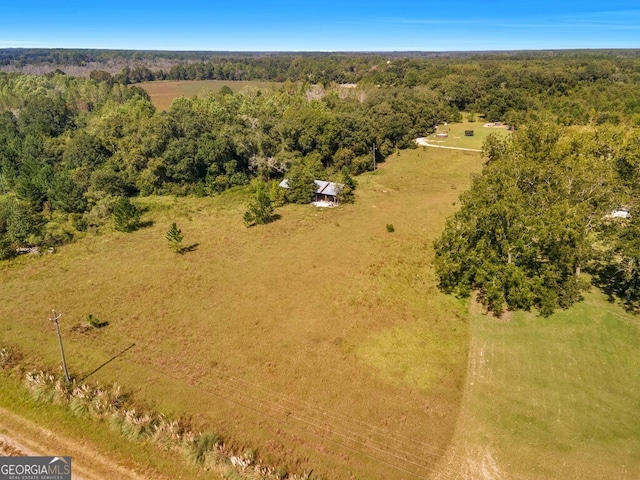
(65, 194)
(174, 237)
(345, 192)
(260, 209)
(46, 115)
(17, 223)
(126, 216)
(300, 179)
(525, 229)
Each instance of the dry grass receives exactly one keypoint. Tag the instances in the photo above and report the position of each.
(162, 93)
(320, 339)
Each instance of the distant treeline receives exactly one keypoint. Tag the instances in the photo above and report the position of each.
(575, 87)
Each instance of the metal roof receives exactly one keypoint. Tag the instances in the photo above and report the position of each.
(325, 188)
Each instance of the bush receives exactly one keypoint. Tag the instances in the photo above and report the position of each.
(195, 448)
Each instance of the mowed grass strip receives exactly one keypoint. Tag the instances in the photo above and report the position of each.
(552, 398)
(162, 93)
(320, 339)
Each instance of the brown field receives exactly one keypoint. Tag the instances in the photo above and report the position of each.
(320, 339)
(162, 93)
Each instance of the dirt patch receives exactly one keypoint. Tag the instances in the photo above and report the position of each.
(476, 308)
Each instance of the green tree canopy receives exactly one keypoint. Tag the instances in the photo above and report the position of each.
(526, 227)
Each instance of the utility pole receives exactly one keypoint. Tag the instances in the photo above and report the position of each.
(54, 319)
(374, 156)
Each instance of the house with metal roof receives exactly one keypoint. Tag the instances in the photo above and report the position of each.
(326, 194)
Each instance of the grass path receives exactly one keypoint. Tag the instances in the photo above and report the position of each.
(422, 141)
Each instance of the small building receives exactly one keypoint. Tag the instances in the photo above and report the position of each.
(621, 212)
(326, 194)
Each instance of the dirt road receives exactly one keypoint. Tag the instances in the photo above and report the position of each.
(423, 142)
(22, 437)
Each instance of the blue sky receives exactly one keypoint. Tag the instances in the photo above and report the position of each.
(327, 25)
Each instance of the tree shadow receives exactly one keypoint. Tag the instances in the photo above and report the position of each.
(607, 279)
(107, 362)
(273, 218)
(189, 248)
(145, 224)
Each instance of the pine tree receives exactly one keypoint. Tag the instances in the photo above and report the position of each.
(174, 237)
(260, 210)
(126, 216)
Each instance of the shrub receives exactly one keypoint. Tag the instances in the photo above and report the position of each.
(196, 447)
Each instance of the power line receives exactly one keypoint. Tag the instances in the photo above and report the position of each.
(249, 401)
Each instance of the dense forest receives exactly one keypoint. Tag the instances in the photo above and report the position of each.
(75, 149)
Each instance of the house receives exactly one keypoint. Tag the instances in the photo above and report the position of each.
(326, 194)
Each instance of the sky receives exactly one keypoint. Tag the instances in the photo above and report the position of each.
(328, 25)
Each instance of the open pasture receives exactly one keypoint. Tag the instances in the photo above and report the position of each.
(322, 342)
(162, 93)
(320, 339)
(458, 139)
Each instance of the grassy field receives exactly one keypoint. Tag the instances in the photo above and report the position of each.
(164, 92)
(551, 398)
(319, 339)
(457, 137)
